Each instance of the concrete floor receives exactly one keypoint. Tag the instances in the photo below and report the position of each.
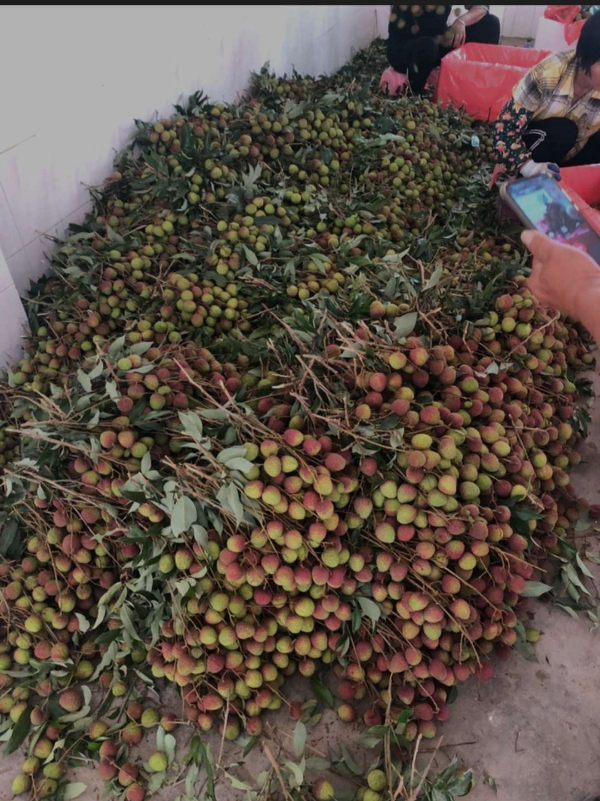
(535, 728)
(530, 734)
(514, 41)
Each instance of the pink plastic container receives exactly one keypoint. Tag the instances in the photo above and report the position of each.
(480, 77)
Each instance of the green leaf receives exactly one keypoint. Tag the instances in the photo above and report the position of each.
(139, 348)
(317, 763)
(522, 647)
(370, 609)
(371, 742)
(229, 497)
(491, 782)
(84, 623)
(533, 589)
(200, 535)
(128, 623)
(97, 371)
(170, 746)
(250, 256)
(227, 454)
(74, 790)
(84, 380)
(571, 612)
(243, 465)
(251, 744)
(572, 576)
(403, 326)
(435, 277)
(156, 781)
(378, 731)
(583, 567)
(322, 693)
(112, 391)
(233, 496)
(463, 785)
(236, 783)
(184, 515)
(114, 236)
(350, 762)
(8, 537)
(82, 713)
(146, 464)
(183, 586)
(592, 557)
(192, 425)
(525, 514)
(160, 738)
(297, 771)
(116, 347)
(19, 732)
(299, 739)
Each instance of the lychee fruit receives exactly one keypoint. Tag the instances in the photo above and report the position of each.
(158, 761)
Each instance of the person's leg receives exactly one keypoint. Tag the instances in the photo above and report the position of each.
(589, 153)
(550, 140)
(416, 59)
(486, 31)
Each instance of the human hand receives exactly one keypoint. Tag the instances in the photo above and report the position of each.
(458, 32)
(531, 168)
(563, 278)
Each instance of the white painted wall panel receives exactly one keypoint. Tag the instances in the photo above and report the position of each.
(522, 21)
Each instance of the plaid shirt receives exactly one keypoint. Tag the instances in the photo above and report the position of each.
(546, 91)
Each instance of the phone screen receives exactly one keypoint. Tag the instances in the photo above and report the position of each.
(548, 209)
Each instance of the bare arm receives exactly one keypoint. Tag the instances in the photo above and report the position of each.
(473, 15)
(470, 17)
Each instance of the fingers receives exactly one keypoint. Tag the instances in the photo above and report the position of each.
(539, 245)
(537, 288)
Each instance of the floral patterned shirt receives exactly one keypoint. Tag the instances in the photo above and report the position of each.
(546, 91)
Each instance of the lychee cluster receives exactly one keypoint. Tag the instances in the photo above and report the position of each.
(269, 422)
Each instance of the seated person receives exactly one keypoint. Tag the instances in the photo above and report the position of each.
(553, 117)
(419, 37)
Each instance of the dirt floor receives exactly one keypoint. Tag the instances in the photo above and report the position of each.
(535, 729)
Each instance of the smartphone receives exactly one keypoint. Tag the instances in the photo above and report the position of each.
(540, 203)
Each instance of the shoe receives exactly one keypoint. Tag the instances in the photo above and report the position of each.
(393, 82)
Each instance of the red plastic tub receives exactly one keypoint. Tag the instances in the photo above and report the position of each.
(480, 77)
(583, 180)
(582, 184)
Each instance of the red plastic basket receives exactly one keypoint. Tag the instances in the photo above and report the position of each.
(480, 78)
(583, 180)
(582, 184)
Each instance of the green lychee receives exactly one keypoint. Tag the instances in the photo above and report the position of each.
(376, 780)
(158, 761)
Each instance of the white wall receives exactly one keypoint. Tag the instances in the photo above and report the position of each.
(522, 21)
(12, 315)
(72, 79)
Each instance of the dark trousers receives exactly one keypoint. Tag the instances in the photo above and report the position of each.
(417, 57)
(551, 140)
